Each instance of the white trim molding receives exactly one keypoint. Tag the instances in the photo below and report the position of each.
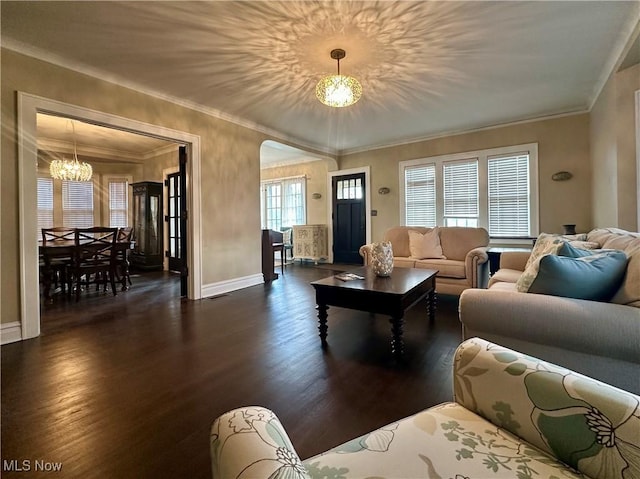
(28, 108)
(229, 285)
(10, 332)
(638, 160)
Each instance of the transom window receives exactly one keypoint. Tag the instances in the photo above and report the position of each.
(496, 189)
(349, 189)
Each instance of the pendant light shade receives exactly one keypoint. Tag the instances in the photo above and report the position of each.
(71, 170)
(338, 90)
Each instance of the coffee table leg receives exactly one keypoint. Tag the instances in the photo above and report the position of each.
(397, 346)
(322, 319)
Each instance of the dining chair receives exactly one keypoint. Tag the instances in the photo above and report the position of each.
(123, 245)
(54, 264)
(94, 260)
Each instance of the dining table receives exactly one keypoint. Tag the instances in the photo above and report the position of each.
(60, 251)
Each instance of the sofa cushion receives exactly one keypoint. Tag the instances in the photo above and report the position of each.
(403, 262)
(457, 241)
(546, 244)
(425, 245)
(400, 238)
(446, 268)
(446, 441)
(505, 275)
(595, 277)
(629, 291)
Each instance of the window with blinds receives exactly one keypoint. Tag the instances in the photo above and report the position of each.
(118, 202)
(496, 189)
(420, 191)
(77, 204)
(509, 211)
(461, 193)
(283, 203)
(45, 204)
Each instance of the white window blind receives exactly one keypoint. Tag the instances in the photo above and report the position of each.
(461, 193)
(509, 196)
(77, 204)
(420, 190)
(45, 204)
(118, 202)
(283, 203)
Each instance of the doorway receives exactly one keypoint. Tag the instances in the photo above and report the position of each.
(349, 218)
(28, 107)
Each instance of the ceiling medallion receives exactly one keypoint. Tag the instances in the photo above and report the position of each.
(338, 90)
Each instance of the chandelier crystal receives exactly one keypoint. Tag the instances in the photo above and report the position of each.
(71, 170)
(338, 90)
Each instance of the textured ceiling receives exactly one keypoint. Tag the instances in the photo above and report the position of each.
(427, 68)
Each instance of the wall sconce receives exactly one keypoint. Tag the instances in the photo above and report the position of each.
(316, 196)
(383, 191)
(561, 176)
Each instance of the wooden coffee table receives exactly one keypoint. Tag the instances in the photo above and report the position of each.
(391, 296)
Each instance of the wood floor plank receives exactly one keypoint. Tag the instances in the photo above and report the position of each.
(127, 386)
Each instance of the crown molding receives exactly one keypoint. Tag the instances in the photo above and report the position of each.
(162, 150)
(450, 133)
(59, 146)
(54, 59)
(625, 41)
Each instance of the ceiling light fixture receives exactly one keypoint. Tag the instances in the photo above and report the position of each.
(71, 170)
(338, 90)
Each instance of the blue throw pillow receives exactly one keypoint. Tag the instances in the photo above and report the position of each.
(567, 250)
(596, 277)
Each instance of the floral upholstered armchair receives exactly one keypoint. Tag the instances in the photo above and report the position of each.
(513, 416)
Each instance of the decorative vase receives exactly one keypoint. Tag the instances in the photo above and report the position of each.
(382, 258)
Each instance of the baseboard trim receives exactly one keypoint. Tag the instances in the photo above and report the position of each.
(222, 287)
(10, 332)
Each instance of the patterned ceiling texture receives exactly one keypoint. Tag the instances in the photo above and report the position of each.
(426, 67)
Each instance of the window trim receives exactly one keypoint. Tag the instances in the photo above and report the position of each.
(483, 184)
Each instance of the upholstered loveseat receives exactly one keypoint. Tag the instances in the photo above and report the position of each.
(465, 262)
(513, 416)
(598, 338)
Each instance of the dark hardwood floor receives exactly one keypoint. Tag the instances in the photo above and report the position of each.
(127, 387)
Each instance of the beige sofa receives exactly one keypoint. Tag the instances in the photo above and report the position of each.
(599, 339)
(513, 416)
(466, 264)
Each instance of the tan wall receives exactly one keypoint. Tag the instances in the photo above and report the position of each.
(230, 167)
(153, 166)
(603, 158)
(613, 152)
(627, 83)
(316, 173)
(563, 145)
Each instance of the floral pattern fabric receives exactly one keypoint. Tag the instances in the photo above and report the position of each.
(513, 417)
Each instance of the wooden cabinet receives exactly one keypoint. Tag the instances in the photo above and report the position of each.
(147, 223)
(310, 242)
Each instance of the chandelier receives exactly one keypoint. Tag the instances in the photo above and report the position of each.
(338, 90)
(71, 170)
